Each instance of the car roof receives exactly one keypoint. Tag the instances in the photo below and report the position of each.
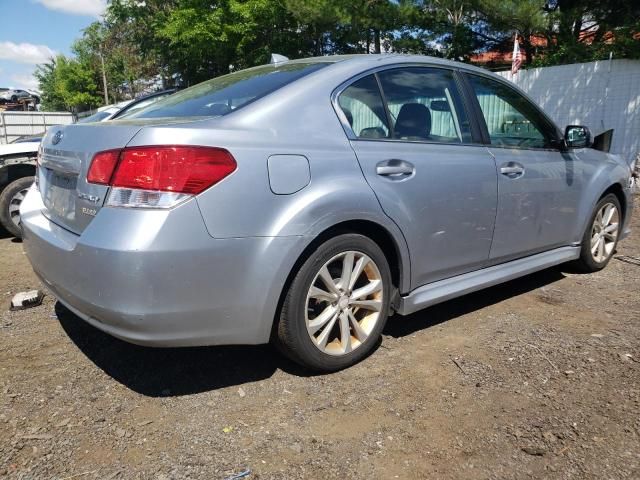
(371, 60)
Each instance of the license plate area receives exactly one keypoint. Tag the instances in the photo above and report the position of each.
(59, 194)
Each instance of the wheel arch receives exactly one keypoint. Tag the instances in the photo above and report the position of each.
(13, 168)
(396, 255)
(618, 191)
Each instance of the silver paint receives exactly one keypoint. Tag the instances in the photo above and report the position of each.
(212, 270)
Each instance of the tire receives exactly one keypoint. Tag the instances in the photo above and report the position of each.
(315, 314)
(14, 99)
(10, 201)
(590, 261)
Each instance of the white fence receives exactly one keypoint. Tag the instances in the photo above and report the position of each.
(17, 124)
(600, 95)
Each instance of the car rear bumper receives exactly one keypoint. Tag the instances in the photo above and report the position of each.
(157, 278)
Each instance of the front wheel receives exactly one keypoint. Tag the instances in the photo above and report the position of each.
(601, 237)
(10, 201)
(337, 304)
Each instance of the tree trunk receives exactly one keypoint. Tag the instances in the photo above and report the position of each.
(376, 36)
(528, 49)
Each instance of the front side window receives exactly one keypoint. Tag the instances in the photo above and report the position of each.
(512, 121)
(424, 105)
(362, 105)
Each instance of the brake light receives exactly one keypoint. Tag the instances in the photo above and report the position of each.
(102, 167)
(159, 176)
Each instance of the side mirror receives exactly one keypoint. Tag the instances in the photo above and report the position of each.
(577, 136)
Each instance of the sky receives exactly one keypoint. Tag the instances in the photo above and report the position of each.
(32, 31)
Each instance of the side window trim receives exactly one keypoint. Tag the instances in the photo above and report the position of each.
(385, 104)
(479, 130)
(470, 91)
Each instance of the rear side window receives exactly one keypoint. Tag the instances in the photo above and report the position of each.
(362, 104)
(424, 105)
(225, 94)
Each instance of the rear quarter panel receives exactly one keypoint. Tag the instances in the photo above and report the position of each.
(297, 120)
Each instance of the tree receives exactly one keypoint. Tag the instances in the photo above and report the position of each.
(46, 76)
(67, 84)
(591, 30)
(526, 18)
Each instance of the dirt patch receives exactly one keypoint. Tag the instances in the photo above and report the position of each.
(537, 378)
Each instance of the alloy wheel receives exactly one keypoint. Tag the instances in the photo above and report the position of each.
(344, 303)
(604, 232)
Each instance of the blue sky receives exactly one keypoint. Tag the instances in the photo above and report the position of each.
(39, 29)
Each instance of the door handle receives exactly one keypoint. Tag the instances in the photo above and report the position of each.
(512, 169)
(394, 168)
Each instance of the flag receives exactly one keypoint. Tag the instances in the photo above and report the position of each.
(516, 62)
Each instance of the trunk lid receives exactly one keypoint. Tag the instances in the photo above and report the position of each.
(66, 155)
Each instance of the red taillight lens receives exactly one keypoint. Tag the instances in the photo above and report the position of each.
(102, 167)
(180, 169)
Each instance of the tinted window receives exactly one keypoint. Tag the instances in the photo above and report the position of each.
(227, 93)
(424, 105)
(362, 104)
(511, 119)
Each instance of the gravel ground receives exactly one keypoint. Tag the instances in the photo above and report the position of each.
(536, 378)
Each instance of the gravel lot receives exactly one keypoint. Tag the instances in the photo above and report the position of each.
(537, 378)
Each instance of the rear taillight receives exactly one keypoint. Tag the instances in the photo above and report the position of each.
(159, 176)
(102, 167)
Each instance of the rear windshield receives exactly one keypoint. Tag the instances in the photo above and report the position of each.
(225, 94)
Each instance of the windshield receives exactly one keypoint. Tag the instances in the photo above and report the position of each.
(225, 94)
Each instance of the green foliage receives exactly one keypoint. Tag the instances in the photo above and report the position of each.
(187, 41)
(67, 84)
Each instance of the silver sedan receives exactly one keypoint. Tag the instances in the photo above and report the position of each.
(303, 202)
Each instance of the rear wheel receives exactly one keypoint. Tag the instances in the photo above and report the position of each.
(601, 237)
(337, 304)
(10, 201)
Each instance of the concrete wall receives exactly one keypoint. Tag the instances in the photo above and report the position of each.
(600, 95)
(17, 124)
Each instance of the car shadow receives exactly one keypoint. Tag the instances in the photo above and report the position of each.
(398, 326)
(4, 233)
(161, 372)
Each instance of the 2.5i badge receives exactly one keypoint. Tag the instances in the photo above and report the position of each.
(89, 211)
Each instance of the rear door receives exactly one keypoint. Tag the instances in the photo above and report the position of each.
(417, 153)
(538, 185)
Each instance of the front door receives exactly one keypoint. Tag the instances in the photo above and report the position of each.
(416, 152)
(538, 185)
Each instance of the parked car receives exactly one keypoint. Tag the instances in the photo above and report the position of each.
(17, 170)
(302, 202)
(14, 95)
(17, 164)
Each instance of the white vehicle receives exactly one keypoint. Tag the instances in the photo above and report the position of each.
(17, 170)
(13, 96)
